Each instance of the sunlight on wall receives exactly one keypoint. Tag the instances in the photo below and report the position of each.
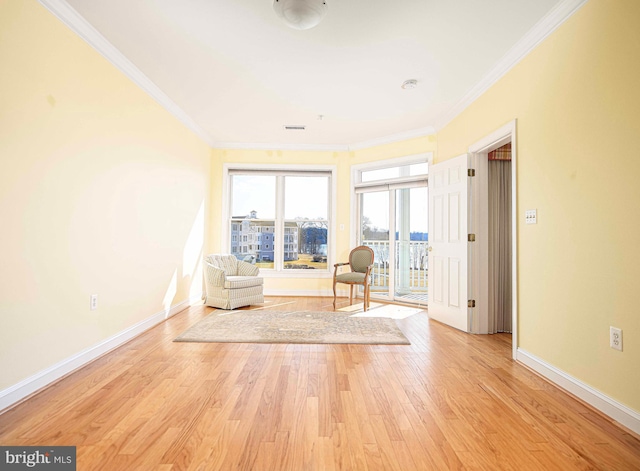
(196, 287)
(193, 246)
(193, 253)
(171, 293)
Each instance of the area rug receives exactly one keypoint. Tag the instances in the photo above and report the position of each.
(258, 326)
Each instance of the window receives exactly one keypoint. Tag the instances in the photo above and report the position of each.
(286, 213)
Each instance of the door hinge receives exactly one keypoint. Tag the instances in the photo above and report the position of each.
(471, 237)
(471, 303)
(471, 172)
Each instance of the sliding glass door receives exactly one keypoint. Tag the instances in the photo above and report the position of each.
(392, 220)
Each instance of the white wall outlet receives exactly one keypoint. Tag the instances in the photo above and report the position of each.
(615, 338)
(93, 304)
(531, 216)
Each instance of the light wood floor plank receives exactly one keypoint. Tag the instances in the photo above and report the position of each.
(447, 401)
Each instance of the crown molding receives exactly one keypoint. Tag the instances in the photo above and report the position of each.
(547, 25)
(74, 21)
(280, 146)
(403, 136)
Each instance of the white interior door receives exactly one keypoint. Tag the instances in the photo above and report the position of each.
(448, 246)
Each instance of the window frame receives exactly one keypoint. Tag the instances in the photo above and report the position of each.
(279, 271)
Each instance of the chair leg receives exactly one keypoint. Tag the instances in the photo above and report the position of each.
(366, 297)
(334, 293)
(350, 295)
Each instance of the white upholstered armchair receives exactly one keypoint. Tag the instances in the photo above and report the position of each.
(231, 283)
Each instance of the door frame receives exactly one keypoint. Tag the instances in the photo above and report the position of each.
(480, 224)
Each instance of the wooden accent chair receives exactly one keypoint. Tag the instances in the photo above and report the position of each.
(361, 263)
(231, 283)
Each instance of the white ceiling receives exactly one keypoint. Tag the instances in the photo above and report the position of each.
(233, 72)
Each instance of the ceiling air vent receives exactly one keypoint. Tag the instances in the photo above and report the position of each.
(291, 127)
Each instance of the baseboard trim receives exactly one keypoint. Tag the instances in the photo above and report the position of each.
(622, 414)
(25, 388)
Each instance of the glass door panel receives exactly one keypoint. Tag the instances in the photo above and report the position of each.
(411, 244)
(374, 233)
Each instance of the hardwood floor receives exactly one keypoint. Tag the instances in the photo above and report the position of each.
(448, 401)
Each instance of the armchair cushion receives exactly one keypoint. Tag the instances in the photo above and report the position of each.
(237, 282)
(350, 277)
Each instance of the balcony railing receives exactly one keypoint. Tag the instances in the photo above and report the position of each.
(411, 263)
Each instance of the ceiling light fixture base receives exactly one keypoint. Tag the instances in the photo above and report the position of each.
(409, 84)
(300, 14)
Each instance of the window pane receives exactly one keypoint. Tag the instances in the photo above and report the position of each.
(419, 169)
(380, 174)
(252, 241)
(311, 243)
(306, 210)
(412, 245)
(374, 227)
(306, 198)
(411, 170)
(253, 194)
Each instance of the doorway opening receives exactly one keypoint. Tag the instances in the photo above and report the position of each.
(500, 256)
(494, 273)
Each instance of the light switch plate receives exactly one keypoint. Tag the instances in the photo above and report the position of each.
(531, 216)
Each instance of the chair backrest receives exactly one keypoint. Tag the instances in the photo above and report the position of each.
(228, 263)
(360, 258)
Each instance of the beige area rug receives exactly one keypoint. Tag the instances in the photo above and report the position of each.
(260, 326)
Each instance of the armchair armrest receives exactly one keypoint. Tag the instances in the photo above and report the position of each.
(215, 276)
(368, 272)
(336, 265)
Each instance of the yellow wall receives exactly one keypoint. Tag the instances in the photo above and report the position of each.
(343, 161)
(101, 191)
(576, 99)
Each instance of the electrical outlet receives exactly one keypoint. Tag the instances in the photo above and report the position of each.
(93, 304)
(615, 338)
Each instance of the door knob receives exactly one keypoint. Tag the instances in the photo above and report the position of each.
(430, 249)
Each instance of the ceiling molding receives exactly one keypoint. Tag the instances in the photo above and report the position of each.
(403, 136)
(72, 19)
(547, 25)
(275, 146)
